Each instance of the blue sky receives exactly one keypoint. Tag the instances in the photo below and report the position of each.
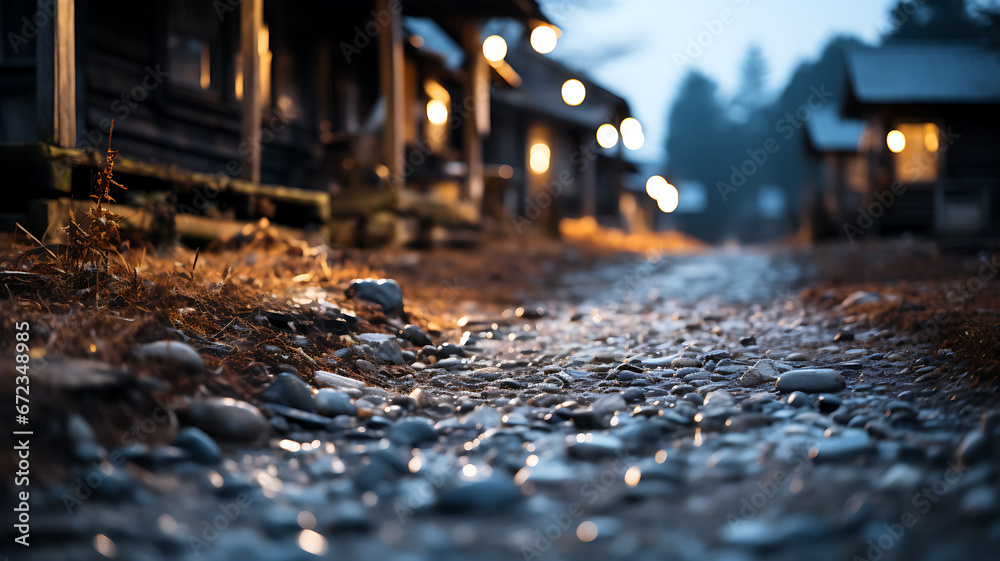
(635, 47)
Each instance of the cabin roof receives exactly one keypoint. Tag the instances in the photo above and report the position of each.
(924, 73)
(829, 132)
(541, 91)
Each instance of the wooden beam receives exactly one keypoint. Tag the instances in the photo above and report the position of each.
(477, 106)
(251, 23)
(56, 73)
(391, 78)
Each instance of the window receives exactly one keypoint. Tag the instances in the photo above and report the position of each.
(915, 152)
(190, 61)
(194, 46)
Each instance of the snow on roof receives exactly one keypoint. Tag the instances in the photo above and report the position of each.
(925, 74)
(829, 132)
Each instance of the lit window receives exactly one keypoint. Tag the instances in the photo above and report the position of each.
(190, 61)
(915, 152)
(538, 158)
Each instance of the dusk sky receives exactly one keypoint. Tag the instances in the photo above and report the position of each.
(632, 46)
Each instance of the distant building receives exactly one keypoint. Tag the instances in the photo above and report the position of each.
(931, 139)
(371, 119)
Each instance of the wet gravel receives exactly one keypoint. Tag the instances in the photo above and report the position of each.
(675, 408)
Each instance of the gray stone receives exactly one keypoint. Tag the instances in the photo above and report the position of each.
(289, 390)
(304, 418)
(384, 292)
(390, 352)
(415, 432)
(488, 494)
(199, 446)
(811, 380)
(331, 403)
(594, 446)
(683, 361)
(228, 419)
(415, 335)
(336, 380)
(172, 352)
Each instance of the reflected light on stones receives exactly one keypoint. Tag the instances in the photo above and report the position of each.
(312, 542)
(586, 531)
(632, 476)
(104, 545)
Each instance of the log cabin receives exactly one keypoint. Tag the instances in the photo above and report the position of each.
(341, 117)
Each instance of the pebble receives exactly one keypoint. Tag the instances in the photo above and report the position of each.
(331, 402)
(172, 352)
(413, 432)
(681, 362)
(594, 446)
(414, 335)
(304, 418)
(811, 380)
(494, 492)
(390, 352)
(289, 390)
(336, 380)
(384, 292)
(228, 419)
(199, 446)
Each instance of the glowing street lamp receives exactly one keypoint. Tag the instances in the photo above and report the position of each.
(896, 141)
(573, 92)
(607, 136)
(538, 158)
(665, 194)
(494, 48)
(632, 136)
(543, 39)
(437, 112)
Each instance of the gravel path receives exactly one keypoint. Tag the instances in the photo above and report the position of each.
(678, 408)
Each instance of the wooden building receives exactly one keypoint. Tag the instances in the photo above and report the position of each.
(931, 116)
(334, 114)
(836, 172)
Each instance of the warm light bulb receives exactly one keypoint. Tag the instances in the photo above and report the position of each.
(494, 48)
(437, 112)
(538, 158)
(632, 135)
(607, 136)
(656, 186)
(573, 92)
(669, 199)
(543, 39)
(896, 141)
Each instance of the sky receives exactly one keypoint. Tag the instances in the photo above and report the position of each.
(641, 49)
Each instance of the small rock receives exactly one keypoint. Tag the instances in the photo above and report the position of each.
(489, 494)
(633, 395)
(228, 419)
(336, 380)
(390, 352)
(811, 380)
(796, 357)
(413, 432)
(594, 446)
(384, 292)
(289, 390)
(199, 446)
(843, 336)
(330, 402)
(860, 297)
(304, 418)
(748, 341)
(173, 352)
(683, 361)
(415, 335)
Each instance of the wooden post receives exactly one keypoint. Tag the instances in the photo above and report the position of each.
(391, 76)
(56, 73)
(477, 112)
(251, 23)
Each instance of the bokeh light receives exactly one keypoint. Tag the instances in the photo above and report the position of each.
(494, 48)
(896, 141)
(538, 158)
(437, 112)
(543, 39)
(573, 92)
(632, 135)
(607, 136)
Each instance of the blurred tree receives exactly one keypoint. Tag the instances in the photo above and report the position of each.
(752, 92)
